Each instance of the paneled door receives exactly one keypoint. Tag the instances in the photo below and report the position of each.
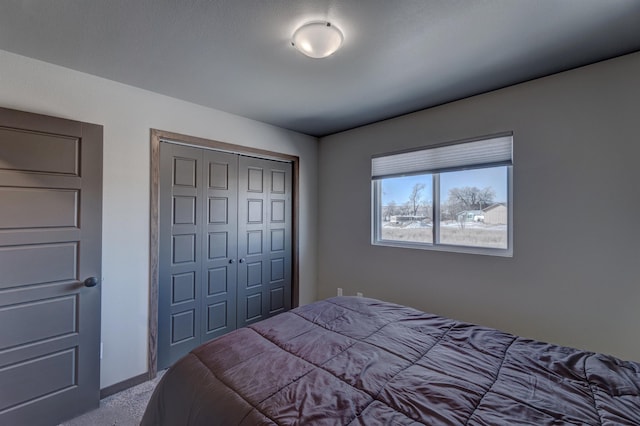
(264, 239)
(50, 265)
(225, 245)
(197, 271)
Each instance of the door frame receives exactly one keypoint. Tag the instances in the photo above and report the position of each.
(154, 235)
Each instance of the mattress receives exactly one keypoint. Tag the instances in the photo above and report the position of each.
(360, 361)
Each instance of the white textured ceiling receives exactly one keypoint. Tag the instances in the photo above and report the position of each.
(398, 56)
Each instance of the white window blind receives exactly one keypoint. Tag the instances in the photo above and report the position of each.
(486, 152)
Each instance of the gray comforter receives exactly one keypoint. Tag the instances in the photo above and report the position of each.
(359, 361)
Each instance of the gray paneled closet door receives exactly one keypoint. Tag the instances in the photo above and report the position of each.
(264, 239)
(225, 245)
(220, 244)
(180, 257)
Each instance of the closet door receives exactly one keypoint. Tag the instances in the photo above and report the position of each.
(220, 244)
(264, 239)
(180, 257)
(198, 247)
(225, 245)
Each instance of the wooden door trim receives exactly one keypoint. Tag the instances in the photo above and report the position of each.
(154, 235)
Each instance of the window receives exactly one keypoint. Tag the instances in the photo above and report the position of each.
(453, 197)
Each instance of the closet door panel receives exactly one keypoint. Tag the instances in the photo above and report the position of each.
(219, 269)
(264, 239)
(181, 258)
(279, 232)
(252, 224)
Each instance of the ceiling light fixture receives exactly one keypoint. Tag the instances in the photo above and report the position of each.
(317, 39)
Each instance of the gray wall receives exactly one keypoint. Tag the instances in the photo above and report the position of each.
(574, 278)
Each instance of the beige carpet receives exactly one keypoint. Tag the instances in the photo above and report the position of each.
(122, 409)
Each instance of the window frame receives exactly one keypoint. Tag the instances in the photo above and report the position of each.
(376, 207)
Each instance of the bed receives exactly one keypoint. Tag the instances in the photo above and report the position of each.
(360, 361)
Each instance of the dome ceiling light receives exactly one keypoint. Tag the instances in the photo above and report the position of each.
(317, 39)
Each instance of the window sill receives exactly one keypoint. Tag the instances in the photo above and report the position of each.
(446, 247)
